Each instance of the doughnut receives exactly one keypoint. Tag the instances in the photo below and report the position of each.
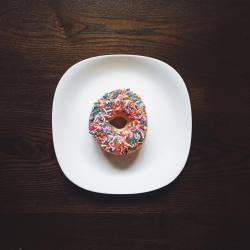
(118, 122)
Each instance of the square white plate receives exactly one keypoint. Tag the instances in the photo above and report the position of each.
(166, 148)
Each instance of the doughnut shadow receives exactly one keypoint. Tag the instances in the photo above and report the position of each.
(121, 162)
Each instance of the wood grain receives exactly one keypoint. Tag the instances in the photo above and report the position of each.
(207, 207)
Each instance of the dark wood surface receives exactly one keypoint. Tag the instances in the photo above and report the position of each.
(208, 206)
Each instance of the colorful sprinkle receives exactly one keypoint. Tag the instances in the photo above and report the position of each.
(111, 139)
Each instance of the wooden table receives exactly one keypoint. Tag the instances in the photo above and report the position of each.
(207, 207)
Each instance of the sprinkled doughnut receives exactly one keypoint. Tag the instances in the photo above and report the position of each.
(118, 122)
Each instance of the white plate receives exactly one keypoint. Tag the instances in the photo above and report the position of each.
(166, 148)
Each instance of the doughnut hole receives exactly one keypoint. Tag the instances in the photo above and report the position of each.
(119, 121)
